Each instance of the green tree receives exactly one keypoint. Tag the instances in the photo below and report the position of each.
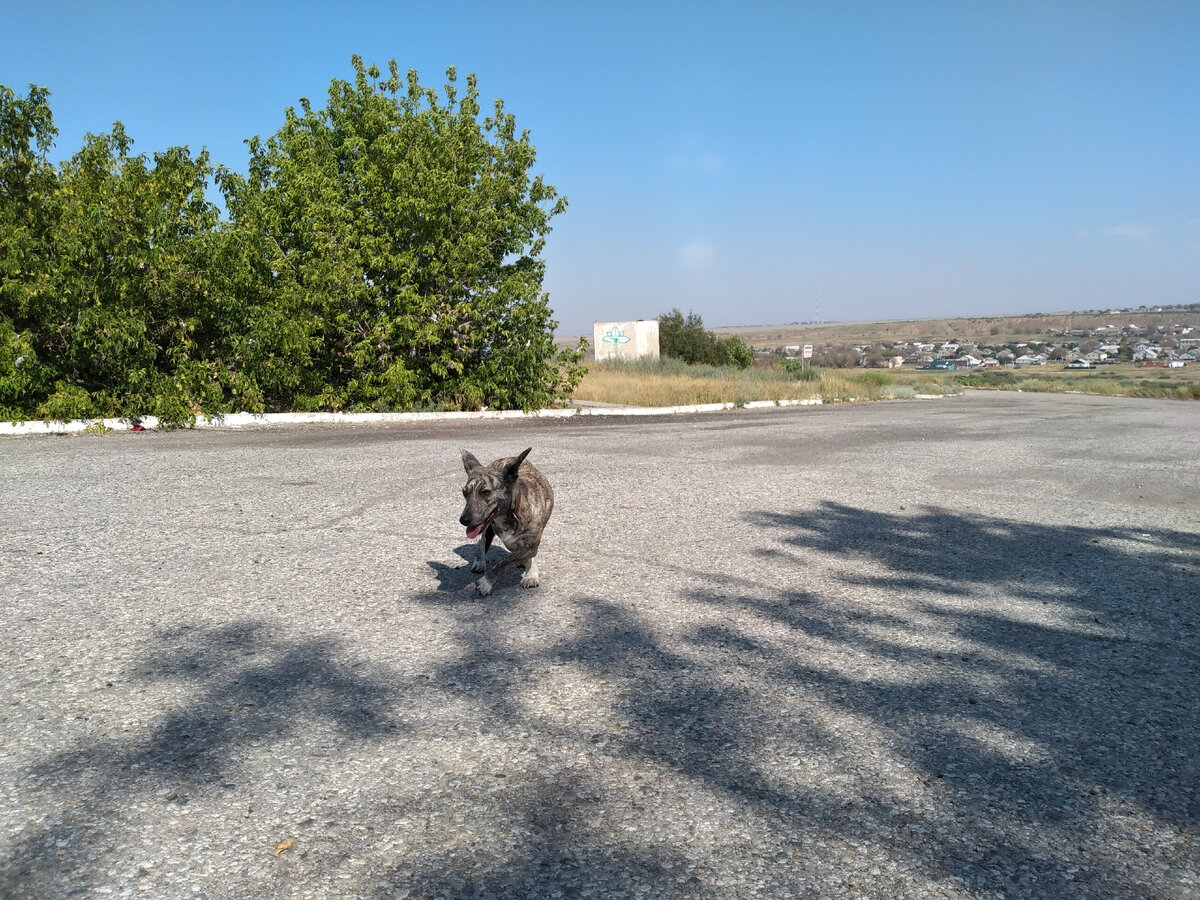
(688, 339)
(105, 304)
(129, 318)
(28, 188)
(735, 352)
(391, 245)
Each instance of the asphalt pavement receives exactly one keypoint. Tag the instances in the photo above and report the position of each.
(906, 649)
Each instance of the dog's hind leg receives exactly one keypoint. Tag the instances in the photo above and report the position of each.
(485, 584)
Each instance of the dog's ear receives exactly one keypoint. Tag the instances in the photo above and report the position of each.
(514, 468)
(470, 463)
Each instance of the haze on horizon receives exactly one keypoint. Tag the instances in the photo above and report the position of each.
(747, 162)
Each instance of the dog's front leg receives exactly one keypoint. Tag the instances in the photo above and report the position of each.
(485, 584)
(531, 576)
(481, 550)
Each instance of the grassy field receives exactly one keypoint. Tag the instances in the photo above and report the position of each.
(1122, 379)
(669, 382)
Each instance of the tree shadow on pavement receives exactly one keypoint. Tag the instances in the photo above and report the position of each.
(1019, 719)
(961, 706)
(240, 691)
(1045, 676)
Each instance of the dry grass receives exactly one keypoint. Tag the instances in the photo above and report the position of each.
(633, 387)
(672, 383)
(1123, 380)
(669, 383)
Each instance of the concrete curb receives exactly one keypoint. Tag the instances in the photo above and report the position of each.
(258, 420)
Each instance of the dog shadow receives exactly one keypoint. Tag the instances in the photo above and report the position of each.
(452, 579)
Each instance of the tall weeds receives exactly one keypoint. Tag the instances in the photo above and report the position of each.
(670, 382)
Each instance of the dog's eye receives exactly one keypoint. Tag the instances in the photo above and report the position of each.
(484, 491)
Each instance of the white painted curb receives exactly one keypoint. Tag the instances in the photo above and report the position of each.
(258, 420)
(244, 419)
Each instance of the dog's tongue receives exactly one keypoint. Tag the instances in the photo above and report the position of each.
(473, 531)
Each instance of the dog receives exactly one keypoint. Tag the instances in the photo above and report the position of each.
(511, 500)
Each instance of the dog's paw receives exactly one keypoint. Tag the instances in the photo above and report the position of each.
(479, 566)
(529, 581)
(483, 586)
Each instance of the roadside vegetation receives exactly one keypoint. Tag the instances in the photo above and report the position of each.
(383, 252)
(669, 382)
(672, 382)
(699, 367)
(1119, 380)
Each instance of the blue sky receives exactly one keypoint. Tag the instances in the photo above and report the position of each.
(749, 161)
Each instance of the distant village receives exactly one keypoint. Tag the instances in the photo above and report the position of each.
(1171, 346)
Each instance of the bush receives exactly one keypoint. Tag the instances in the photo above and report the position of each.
(382, 253)
(688, 340)
(800, 370)
(734, 352)
(875, 379)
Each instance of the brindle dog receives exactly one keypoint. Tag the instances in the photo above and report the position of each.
(511, 500)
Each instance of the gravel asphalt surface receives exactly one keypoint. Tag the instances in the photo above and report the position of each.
(908, 649)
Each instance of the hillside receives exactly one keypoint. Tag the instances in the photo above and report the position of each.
(975, 329)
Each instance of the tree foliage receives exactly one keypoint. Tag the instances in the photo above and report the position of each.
(688, 339)
(28, 185)
(836, 356)
(403, 235)
(383, 252)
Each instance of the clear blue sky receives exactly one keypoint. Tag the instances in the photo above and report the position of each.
(746, 160)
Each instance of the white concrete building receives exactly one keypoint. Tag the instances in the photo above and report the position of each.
(625, 340)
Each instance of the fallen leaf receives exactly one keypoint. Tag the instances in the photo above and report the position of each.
(284, 845)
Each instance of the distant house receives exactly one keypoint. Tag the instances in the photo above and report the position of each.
(1080, 363)
(895, 362)
(1026, 359)
(989, 362)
